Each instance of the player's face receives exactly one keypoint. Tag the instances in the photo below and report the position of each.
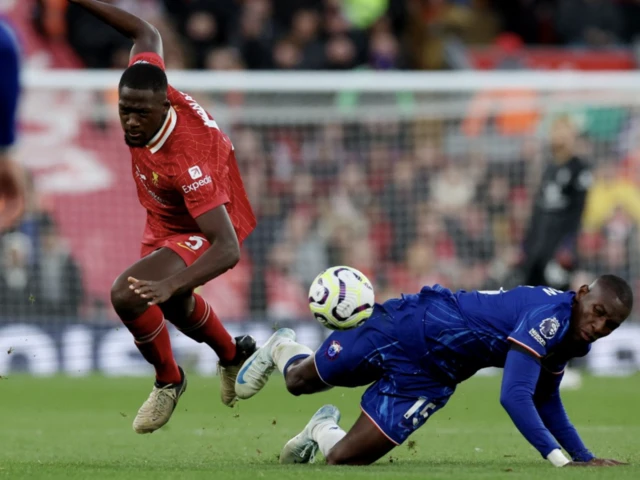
(596, 313)
(142, 113)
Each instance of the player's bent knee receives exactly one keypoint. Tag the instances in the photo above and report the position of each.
(301, 385)
(295, 382)
(334, 458)
(302, 378)
(124, 300)
(339, 456)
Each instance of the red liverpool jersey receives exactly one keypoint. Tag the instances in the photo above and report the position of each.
(187, 169)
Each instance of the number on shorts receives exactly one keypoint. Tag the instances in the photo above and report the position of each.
(424, 413)
(194, 242)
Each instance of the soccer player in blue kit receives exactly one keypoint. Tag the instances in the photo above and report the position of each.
(415, 350)
(12, 178)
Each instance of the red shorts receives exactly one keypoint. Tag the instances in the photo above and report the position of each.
(189, 246)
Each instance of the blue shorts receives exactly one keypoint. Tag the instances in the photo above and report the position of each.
(402, 396)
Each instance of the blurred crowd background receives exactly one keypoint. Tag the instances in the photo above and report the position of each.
(480, 199)
(343, 34)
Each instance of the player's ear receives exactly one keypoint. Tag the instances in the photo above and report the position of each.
(582, 291)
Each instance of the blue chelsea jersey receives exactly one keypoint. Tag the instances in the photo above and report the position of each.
(536, 318)
(463, 332)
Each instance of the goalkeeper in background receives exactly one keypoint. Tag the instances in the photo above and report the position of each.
(12, 178)
(557, 211)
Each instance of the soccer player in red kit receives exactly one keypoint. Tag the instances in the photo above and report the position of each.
(198, 214)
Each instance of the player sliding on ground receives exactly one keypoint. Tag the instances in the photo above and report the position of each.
(418, 348)
(198, 214)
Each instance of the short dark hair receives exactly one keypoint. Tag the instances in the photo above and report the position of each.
(144, 76)
(619, 287)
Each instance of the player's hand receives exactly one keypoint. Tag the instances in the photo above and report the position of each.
(154, 292)
(597, 462)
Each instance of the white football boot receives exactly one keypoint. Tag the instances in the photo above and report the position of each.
(228, 372)
(303, 448)
(255, 372)
(156, 411)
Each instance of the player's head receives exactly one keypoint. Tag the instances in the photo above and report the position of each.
(563, 135)
(600, 308)
(143, 103)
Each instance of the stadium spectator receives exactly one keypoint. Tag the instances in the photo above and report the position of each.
(400, 199)
(58, 290)
(286, 296)
(17, 278)
(306, 243)
(610, 191)
(594, 23)
(330, 34)
(374, 190)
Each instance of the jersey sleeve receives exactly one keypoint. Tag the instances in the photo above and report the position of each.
(521, 374)
(203, 185)
(540, 328)
(554, 416)
(148, 57)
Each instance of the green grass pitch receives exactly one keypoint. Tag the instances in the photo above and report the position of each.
(64, 428)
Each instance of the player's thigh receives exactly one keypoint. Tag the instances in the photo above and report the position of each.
(352, 358)
(156, 266)
(189, 247)
(363, 444)
(400, 403)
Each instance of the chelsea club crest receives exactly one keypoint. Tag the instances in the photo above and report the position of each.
(334, 350)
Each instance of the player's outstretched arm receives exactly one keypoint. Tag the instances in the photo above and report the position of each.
(521, 373)
(223, 255)
(549, 405)
(144, 35)
(553, 414)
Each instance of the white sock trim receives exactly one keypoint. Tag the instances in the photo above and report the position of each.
(285, 350)
(557, 458)
(327, 435)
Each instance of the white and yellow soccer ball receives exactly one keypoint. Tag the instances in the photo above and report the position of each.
(341, 298)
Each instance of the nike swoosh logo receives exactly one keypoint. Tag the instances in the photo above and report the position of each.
(243, 370)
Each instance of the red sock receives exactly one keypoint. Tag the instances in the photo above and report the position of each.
(204, 326)
(152, 339)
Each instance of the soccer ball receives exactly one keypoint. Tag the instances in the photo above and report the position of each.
(341, 298)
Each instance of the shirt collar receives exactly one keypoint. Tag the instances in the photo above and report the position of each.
(165, 131)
